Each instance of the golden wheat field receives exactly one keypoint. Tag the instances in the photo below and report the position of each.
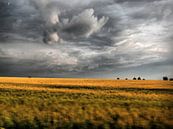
(50, 103)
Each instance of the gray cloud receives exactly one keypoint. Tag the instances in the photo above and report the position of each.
(93, 35)
(84, 24)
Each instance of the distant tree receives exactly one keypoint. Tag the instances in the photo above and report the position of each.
(29, 76)
(134, 78)
(171, 79)
(118, 78)
(143, 79)
(139, 78)
(126, 78)
(165, 78)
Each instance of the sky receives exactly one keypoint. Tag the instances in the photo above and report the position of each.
(86, 38)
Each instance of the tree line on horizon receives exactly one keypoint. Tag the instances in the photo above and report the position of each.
(139, 78)
(165, 78)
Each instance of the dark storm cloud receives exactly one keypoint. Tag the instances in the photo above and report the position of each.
(92, 35)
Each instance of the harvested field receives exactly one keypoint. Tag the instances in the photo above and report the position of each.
(49, 103)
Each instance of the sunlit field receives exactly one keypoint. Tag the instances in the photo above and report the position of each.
(44, 103)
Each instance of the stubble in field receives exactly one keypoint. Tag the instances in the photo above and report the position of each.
(85, 103)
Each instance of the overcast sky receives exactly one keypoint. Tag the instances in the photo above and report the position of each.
(86, 38)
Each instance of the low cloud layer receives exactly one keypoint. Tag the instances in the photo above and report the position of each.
(62, 37)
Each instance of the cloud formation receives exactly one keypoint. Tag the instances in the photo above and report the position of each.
(83, 24)
(84, 36)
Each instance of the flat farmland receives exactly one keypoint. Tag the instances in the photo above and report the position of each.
(58, 103)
